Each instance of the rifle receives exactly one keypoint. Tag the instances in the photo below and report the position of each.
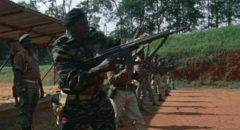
(120, 51)
(117, 51)
(158, 47)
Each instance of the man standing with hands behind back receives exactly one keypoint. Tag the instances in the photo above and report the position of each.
(27, 76)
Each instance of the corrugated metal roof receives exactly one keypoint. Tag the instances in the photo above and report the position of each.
(15, 18)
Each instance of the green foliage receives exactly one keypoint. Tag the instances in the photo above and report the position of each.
(149, 15)
(31, 5)
(91, 8)
(6, 75)
(202, 43)
(4, 50)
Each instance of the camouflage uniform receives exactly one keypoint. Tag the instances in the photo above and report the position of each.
(87, 105)
(170, 80)
(157, 86)
(28, 91)
(164, 85)
(144, 85)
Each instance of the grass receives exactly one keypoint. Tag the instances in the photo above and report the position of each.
(6, 75)
(201, 44)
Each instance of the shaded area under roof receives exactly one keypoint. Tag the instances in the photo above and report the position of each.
(15, 18)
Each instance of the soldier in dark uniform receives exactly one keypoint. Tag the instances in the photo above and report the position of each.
(86, 104)
(27, 75)
(17, 48)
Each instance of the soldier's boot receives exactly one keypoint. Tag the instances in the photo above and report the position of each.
(155, 104)
(174, 88)
(160, 99)
(167, 93)
(16, 101)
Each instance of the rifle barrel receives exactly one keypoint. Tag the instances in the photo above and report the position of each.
(130, 45)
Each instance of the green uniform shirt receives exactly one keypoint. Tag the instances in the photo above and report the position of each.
(27, 64)
(68, 55)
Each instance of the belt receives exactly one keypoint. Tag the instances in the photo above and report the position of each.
(31, 81)
(79, 97)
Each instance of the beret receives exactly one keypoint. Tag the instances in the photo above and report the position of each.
(22, 37)
(73, 16)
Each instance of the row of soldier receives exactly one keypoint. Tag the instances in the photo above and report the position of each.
(83, 102)
(147, 80)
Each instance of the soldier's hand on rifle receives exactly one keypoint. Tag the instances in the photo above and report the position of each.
(104, 66)
(41, 88)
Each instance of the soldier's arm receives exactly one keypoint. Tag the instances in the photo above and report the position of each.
(117, 78)
(18, 62)
(73, 76)
(41, 88)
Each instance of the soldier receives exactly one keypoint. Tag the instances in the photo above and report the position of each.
(15, 48)
(170, 74)
(163, 66)
(86, 104)
(27, 75)
(156, 81)
(144, 82)
(166, 76)
(125, 98)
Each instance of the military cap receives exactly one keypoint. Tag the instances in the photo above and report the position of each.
(23, 36)
(72, 16)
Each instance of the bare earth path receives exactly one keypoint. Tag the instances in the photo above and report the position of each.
(185, 109)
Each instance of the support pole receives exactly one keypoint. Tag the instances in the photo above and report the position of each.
(47, 73)
(4, 64)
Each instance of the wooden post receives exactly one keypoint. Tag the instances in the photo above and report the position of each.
(5, 62)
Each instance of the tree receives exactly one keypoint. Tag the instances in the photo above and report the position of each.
(91, 9)
(55, 9)
(181, 13)
(31, 5)
(230, 10)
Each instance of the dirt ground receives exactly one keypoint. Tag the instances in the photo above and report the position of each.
(6, 99)
(185, 109)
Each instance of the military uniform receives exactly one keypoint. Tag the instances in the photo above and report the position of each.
(125, 98)
(15, 48)
(158, 86)
(28, 90)
(86, 105)
(144, 85)
(170, 80)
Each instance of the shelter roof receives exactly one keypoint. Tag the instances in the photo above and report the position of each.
(15, 18)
